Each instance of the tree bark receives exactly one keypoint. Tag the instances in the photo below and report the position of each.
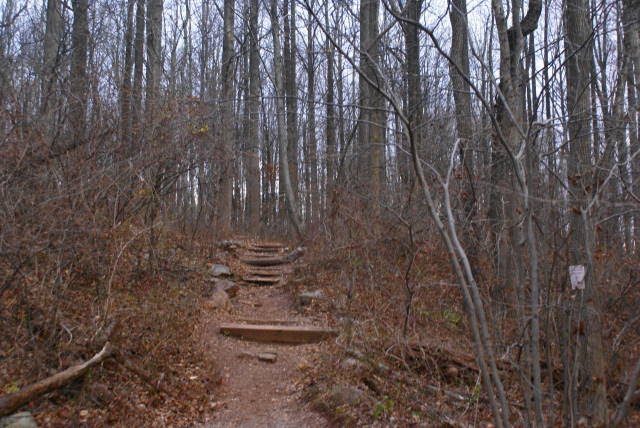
(280, 112)
(291, 90)
(154, 57)
(330, 131)
(311, 160)
(590, 360)
(462, 102)
(253, 145)
(372, 116)
(226, 136)
(52, 40)
(78, 75)
(414, 89)
(138, 60)
(127, 73)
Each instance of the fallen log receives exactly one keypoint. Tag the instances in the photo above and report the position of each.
(9, 403)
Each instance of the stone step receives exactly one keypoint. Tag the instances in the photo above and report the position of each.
(297, 334)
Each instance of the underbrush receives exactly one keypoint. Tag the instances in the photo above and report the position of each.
(147, 313)
(406, 356)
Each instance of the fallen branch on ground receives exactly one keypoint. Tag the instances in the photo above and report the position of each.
(9, 403)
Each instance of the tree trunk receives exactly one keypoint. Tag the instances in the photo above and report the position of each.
(226, 136)
(590, 361)
(330, 130)
(414, 89)
(125, 88)
(253, 145)
(462, 102)
(291, 91)
(78, 75)
(52, 40)
(280, 111)
(311, 160)
(371, 125)
(154, 57)
(138, 60)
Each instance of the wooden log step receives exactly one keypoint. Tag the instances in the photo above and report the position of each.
(266, 322)
(268, 245)
(266, 271)
(266, 249)
(274, 261)
(262, 280)
(258, 255)
(278, 333)
(265, 261)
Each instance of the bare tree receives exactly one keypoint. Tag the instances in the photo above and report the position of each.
(278, 74)
(78, 77)
(589, 370)
(253, 155)
(226, 138)
(52, 42)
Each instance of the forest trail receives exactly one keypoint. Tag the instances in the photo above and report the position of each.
(255, 392)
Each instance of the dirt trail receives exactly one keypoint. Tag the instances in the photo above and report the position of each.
(255, 393)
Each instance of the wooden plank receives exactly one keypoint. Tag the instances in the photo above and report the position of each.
(266, 321)
(266, 271)
(268, 245)
(267, 261)
(259, 255)
(266, 280)
(266, 249)
(278, 333)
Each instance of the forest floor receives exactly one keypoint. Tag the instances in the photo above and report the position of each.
(385, 368)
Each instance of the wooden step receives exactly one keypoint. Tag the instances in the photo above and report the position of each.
(278, 333)
(266, 249)
(265, 261)
(256, 271)
(259, 255)
(268, 245)
(262, 280)
(266, 322)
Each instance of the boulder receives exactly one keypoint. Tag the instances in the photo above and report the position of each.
(267, 357)
(220, 270)
(218, 300)
(229, 287)
(19, 420)
(99, 393)
(341, 395)
(352, 365)
(305, 298)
